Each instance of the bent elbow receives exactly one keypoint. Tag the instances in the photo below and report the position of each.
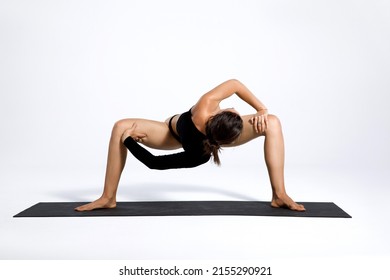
(234, 82)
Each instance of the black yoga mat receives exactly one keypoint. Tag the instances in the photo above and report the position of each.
(184, 208)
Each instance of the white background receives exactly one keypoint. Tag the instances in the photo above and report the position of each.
(70, 69)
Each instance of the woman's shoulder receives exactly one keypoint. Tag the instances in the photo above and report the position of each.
(200, 115)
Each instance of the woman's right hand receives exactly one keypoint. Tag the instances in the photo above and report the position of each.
(133, 133)
(260, 121)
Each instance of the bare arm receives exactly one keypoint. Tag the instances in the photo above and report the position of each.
(208, 104)
(210, 101)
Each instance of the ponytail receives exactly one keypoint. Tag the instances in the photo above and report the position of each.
(212, 148)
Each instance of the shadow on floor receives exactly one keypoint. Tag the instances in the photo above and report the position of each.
(152, 191)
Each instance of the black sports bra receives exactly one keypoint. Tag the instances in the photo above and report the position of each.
(191, 138)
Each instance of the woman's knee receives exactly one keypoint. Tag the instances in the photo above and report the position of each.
(273, 123)
(121, 125)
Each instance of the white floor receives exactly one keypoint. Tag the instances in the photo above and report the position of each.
(362, 239)
(362, 194)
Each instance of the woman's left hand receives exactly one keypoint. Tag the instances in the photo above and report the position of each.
(133, 133)
(260, 121)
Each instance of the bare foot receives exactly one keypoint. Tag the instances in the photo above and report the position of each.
(285, 201)
(97, 204)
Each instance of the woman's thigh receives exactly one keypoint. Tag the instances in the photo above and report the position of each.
(157, 134)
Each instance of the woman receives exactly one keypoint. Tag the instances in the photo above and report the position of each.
(201, 132)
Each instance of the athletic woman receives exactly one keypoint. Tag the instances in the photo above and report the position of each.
(201, 132)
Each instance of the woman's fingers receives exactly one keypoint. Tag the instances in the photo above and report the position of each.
(133, 133)
(265, 122)
(139, 136)
(260, 123)
(255, 123)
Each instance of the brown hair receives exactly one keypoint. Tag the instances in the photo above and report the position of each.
(221, 129)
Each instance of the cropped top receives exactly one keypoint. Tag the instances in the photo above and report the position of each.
(190, 138)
